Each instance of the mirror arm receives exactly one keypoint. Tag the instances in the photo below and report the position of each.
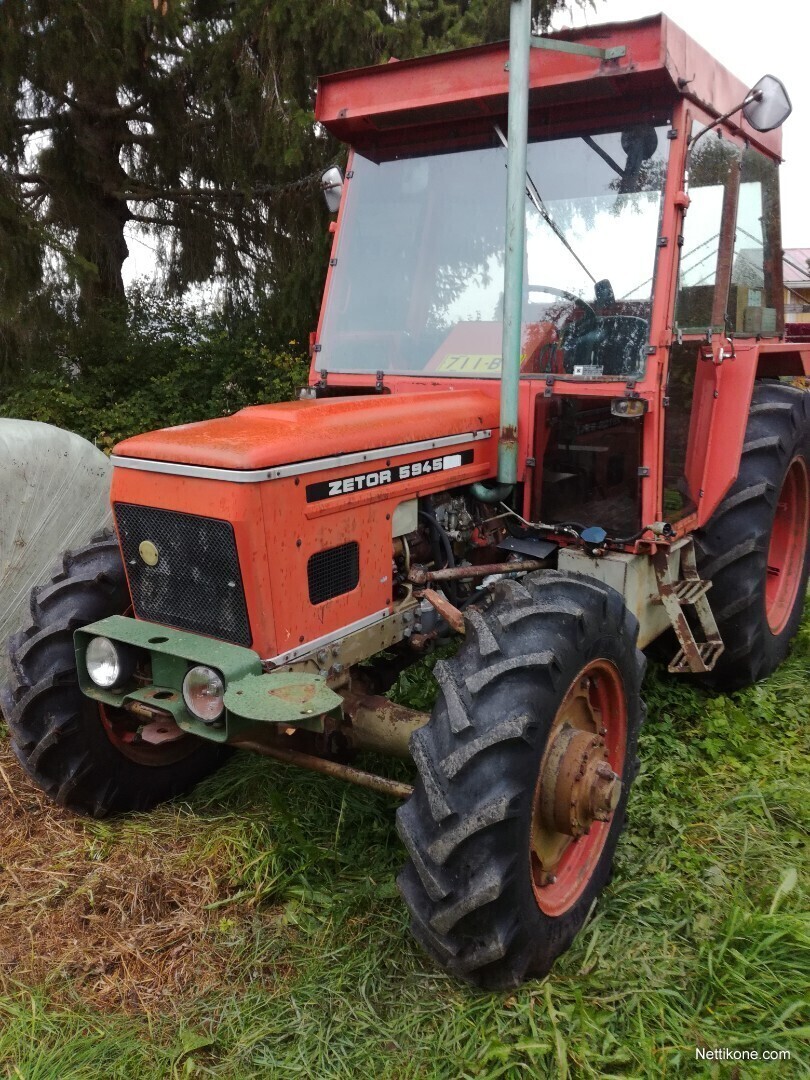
(752, 95)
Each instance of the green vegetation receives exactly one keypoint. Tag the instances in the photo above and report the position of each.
(256, 930)
(164, 363)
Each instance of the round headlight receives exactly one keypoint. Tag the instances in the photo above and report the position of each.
(109, 664)
(204, 693)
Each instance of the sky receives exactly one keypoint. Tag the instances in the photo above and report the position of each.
(751, 41)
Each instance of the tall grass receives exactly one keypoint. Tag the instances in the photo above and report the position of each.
(256, 930)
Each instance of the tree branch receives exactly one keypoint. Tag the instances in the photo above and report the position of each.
(144, 219)
(102, 112)
(182, 194)
(39, 123)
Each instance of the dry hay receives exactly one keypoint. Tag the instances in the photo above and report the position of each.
(120, 916)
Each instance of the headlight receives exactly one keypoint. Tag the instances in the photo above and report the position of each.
(109, 664)
(204, 693)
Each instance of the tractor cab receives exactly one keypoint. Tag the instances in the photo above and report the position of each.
(621, 290)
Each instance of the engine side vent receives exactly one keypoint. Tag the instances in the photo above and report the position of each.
(333, 572)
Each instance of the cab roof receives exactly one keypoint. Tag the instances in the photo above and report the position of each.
(408, 102)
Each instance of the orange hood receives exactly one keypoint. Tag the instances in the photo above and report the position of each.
(264, 436)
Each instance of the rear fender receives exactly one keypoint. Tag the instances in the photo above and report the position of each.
(730, 405)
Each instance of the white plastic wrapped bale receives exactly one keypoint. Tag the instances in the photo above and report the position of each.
(54, 494)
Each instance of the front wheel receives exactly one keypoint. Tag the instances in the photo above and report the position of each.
(87, 757)
(524, 772)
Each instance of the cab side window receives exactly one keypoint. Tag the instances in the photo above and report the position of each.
(704, 272)
(756, 302)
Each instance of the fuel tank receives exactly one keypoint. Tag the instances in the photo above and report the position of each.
(273, 528)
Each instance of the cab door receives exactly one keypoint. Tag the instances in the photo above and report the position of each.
(701, 341)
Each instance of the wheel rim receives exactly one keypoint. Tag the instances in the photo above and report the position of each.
(786, 551)
(578, 787)
(122, 729)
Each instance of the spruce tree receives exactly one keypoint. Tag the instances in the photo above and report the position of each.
(192, 119)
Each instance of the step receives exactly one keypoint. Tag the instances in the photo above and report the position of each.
(704, 655)
(689, 591)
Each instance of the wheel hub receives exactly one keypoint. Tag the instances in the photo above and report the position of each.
(577, 785)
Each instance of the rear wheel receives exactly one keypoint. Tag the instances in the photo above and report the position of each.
(524, 772)
(755, 548)
(86, 756)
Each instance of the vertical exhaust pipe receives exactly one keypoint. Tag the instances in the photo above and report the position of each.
(520, 34)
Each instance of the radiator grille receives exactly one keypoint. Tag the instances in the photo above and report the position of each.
(195, 584)
(333, 572)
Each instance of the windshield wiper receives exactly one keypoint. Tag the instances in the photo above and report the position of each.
(537, 202)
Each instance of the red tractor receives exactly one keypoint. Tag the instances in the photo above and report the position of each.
(550, 407)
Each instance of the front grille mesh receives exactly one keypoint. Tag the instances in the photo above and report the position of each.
(333, 572)
(196, 583)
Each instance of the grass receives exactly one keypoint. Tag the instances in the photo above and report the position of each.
(255, 931)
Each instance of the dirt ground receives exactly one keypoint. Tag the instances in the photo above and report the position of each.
(118, 911)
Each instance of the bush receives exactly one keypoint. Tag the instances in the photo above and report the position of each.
(155, 364)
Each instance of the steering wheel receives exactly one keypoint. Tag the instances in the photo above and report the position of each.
(580, 328)
(590, 320)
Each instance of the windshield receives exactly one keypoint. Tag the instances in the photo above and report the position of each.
(418, 284)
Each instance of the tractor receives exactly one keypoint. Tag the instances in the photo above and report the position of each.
(551, 416)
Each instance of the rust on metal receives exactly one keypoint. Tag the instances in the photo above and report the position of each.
(147, 712)
(328, 768)
(379, 724)
(577, 785)
(449, 612)
(161, 731)
(420, 575)
(299, 694)
(509, 436)
(690, 589)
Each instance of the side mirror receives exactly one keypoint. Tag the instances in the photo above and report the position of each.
(332, 184)
(767, 105)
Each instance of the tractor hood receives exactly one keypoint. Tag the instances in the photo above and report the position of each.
(264, 436)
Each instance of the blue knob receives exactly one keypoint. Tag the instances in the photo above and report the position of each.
(594, 536)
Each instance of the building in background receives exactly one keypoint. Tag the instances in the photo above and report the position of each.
(796, 277)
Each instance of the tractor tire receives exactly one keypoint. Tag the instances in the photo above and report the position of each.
(75, 750)
(546, 683)
(755, 549)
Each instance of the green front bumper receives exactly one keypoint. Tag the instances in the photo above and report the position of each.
(252, 697)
